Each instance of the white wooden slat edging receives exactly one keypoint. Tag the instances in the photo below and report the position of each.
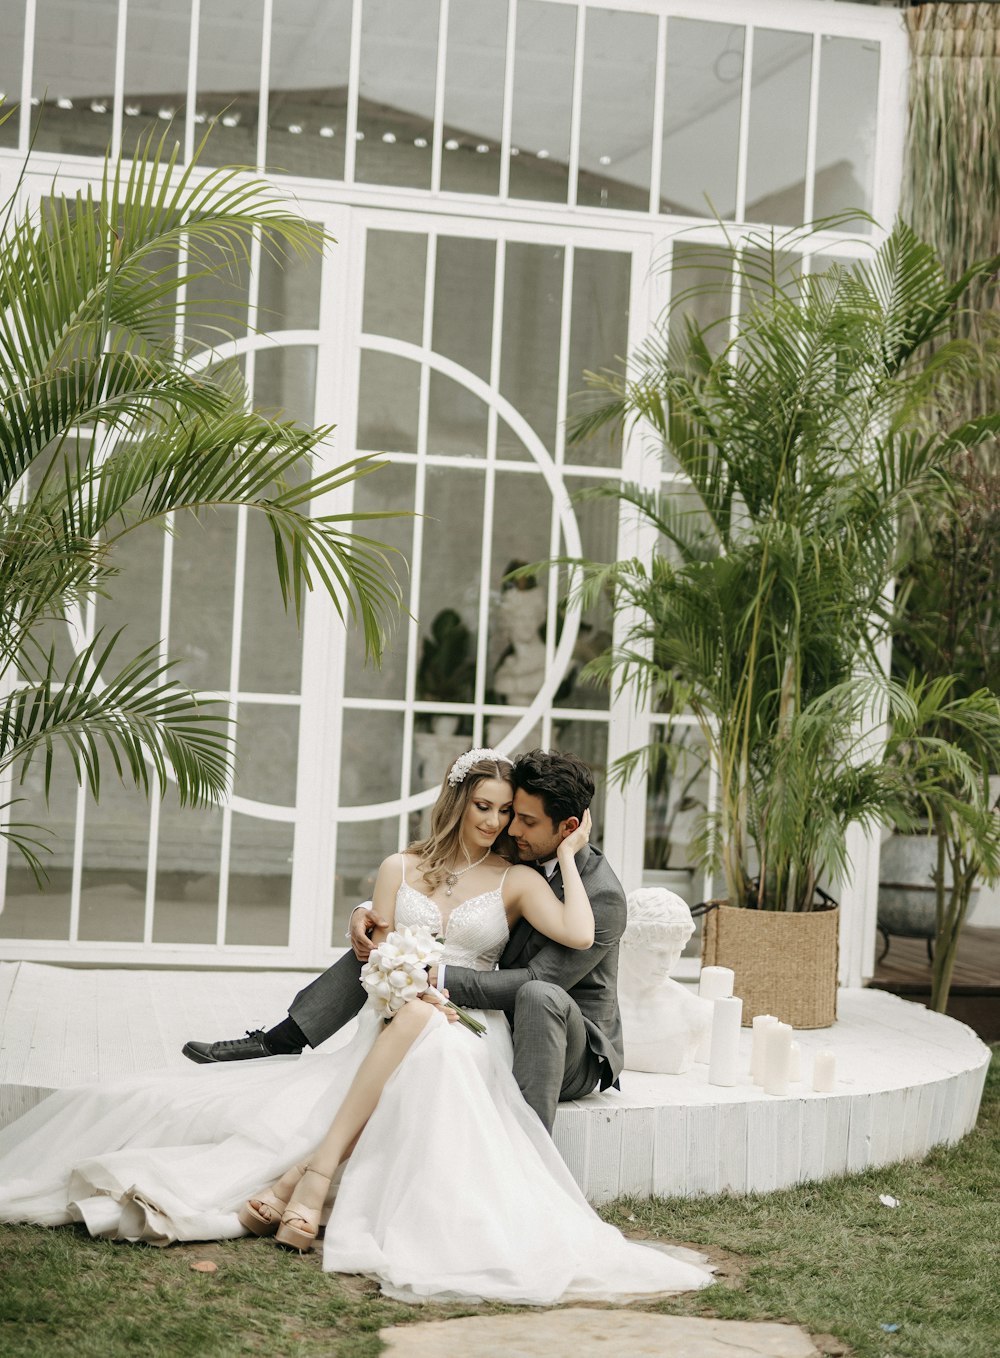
(605, 1150)
(635, 1169)
(670, 1152)
(859, 1132)
(812, 1145)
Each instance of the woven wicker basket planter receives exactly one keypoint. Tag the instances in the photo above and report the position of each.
(784, 964)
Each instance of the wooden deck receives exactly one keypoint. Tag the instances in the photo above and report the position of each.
(907, 1080)
(975, 991)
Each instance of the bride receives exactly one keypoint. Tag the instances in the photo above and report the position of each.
(449, 1186)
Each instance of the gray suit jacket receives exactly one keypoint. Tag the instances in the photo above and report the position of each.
(589, 976)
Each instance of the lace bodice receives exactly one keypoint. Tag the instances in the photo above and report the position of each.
(476, 932)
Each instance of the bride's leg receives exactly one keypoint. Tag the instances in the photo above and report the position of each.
(388, 1050)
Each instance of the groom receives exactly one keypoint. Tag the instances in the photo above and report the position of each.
(562, 1003)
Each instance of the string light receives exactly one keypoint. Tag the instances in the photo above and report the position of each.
(389, 138)
(64, 103)
(230, 120)
(326, 132)
(98, 106)
(295, 128)
(420, 143)
(451, 144)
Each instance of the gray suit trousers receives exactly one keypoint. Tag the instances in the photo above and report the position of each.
(331, 1001)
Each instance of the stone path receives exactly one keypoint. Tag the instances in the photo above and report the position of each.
(584, 1332)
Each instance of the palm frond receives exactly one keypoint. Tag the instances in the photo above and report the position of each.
(148, 726)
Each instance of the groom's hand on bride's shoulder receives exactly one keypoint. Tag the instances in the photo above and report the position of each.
(363, 921)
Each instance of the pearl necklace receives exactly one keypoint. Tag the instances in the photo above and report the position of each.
(453, 877)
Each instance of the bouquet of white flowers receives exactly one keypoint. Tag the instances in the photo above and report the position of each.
(396, 971)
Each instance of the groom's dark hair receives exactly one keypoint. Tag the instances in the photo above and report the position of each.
(562, 781)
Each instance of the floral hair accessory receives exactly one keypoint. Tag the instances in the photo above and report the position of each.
(464, 763)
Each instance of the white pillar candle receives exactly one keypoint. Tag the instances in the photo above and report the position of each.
(794, 1064)
(824, 1072)
(716, 983)
(724, 1058)
(760, 1024)
(776, 1058)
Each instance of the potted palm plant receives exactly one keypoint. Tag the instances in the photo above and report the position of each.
(803, 435)
(947, 625)
(108, 427)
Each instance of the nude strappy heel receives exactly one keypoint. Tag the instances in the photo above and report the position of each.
(300, 1224)
(265, 1222)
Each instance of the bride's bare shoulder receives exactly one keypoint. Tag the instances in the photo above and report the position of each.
(391, 869)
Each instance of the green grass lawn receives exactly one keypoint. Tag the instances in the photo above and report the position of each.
(828, 1256)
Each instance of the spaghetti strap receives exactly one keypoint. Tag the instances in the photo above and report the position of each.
(402, 866)
(503, 878)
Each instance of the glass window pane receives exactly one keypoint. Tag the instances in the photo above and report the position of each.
(201, 599)
(522, 516)
(436, 746)
(449, 583)
(532, 319)
(289, 291)
(701, 118)
(115, 859)
(701, 288)
(463, 326)
(229, 48)
(307, 103)
(74, 76)
(391, 487)
(543, 101)
(394, 284)
(598, 340)
(779, 121)
(260, 882)
(371, 759)
(388, 404)
(676, 800)
(30, 911)
(157, 39)
(463, 301)
(396, 99)
(616, 125)
(598, 524)
(845, 127)
(361, 847)
(11, 57)
(267, 747)
(473, 100)
(271, 644)
(132, 598)
(285, 382)
(217, 301)
(457, 421)
(187, 875)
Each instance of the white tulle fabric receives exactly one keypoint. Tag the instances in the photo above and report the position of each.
(454, 1190)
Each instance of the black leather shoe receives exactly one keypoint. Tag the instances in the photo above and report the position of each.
(248, 1048)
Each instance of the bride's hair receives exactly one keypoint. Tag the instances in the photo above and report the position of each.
(441, 846)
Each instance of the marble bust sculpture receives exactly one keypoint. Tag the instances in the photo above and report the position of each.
(663, 1022)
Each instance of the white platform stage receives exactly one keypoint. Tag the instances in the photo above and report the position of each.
(908, 1079)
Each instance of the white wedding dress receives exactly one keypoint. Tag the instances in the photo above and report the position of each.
(454, 1190)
